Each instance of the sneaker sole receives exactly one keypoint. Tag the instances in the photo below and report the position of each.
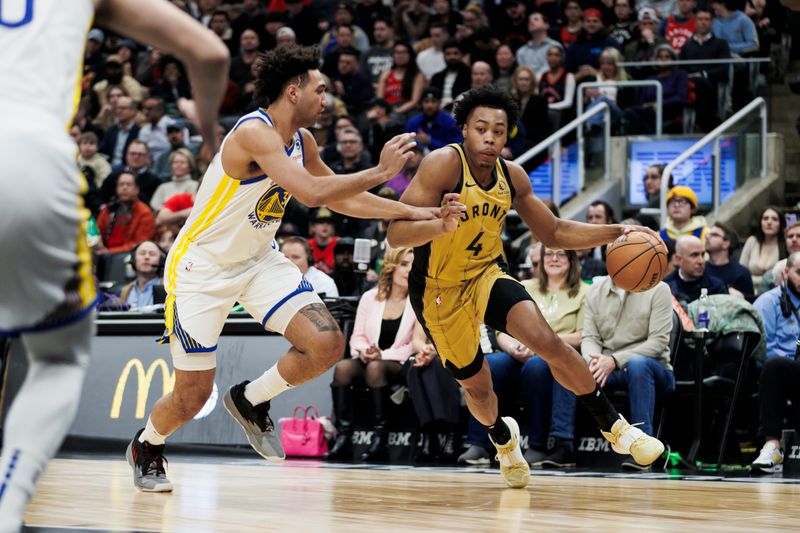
(767, 469)
(227, 402)
(161, 487)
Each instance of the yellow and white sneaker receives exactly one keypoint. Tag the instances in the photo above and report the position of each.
(769, 461)
(628, 439)
(514, 468)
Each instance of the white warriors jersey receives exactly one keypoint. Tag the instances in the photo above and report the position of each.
(42, 44)
(235, 220)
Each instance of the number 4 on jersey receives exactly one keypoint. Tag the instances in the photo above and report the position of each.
(475, 246)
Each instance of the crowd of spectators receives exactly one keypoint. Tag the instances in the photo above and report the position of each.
(395, 67)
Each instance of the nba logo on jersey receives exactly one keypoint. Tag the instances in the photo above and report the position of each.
(269, 207)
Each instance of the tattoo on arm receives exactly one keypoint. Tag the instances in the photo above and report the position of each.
(318, 315)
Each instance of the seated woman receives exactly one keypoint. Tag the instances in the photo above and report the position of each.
(437, 402)
(560, 295)
(766, 246)
(401, 86)
(380, 344)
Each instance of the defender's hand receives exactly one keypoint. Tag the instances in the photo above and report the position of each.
(451, 211)
(395, 154)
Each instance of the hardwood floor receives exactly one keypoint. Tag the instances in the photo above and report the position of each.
(242, 495)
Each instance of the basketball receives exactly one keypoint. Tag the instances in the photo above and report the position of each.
(636, 261)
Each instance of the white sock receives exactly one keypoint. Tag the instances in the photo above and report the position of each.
(266, 387)
(19, 471)
(151, 435)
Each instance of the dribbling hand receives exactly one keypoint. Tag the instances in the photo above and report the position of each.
(395, 153)
(451, 211)
(628, 228)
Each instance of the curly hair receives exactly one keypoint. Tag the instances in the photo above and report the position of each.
(488, 96)
(391, 260)
(281, 66)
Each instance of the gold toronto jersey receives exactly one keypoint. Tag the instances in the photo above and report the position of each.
(476, 244)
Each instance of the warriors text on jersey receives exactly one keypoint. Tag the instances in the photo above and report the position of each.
(465, 253)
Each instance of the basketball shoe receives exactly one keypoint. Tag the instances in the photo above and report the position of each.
(147, 462)
(255, 422)
(513, 466)
(628, 439)
(769, 461)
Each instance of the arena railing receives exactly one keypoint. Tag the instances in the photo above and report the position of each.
(714, 137)
(626, 83)
(553, 142)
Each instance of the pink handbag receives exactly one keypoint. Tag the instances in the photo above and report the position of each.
(303, 437)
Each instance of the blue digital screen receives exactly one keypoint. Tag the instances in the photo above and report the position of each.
(542, 180)
(696, 172)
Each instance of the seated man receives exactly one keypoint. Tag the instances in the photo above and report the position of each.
(781, 372)
(147, 260)
(681, 219)
(686, 281)
(126, 221)
(719, 241)
(298, 251)
(635, 357)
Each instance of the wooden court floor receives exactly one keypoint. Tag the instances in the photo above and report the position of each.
(233, 495)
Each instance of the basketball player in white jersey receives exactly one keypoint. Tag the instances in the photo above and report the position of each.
(225, 254)
(46, 291)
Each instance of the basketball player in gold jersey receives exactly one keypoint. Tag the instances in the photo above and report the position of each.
(459, 276)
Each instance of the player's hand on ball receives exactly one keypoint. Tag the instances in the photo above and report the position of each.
(629, 228)
(395, 153)
(451, 211)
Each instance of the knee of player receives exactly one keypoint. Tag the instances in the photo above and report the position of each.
(546, 343)
(328, 347)
(193, 399)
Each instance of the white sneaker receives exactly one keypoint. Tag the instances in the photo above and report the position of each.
(769, 461)
(514, 468)
(628, 439)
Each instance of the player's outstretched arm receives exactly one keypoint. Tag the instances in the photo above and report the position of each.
(438, 174)
(363, 204)
(172, 31)
(262, 144)
(557, 232)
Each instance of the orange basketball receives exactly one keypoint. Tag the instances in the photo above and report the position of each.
(636, 261)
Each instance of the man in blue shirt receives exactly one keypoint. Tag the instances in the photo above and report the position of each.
(434, 127)
(691, 276)
(781, 372)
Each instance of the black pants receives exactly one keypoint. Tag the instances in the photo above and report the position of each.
(434, 393)
(779, 381)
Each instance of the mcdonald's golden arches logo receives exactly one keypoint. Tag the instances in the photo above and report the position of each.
(143, 381)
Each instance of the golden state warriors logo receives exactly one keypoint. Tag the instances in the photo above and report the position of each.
(269, 207)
